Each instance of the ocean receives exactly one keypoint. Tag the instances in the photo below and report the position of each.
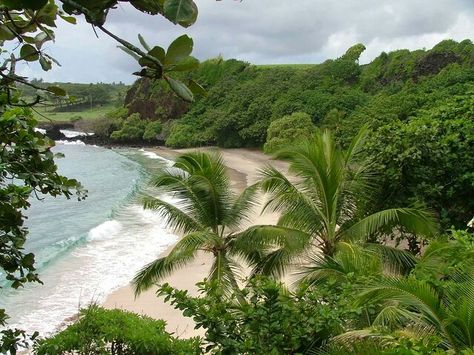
(86, 249)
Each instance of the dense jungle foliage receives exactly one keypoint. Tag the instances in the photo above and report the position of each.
(344, 289)
(418, 104)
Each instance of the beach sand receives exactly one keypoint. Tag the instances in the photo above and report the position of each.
(243, 166)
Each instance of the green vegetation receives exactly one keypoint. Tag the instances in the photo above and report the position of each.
(405, 98)
(287, 130)
(101, 331)
(87, 114)
(27, 162)
(328, 201)
(209, 215)
(27, 170)
(429, 158)
(267, 318)
(244, 99)
(357, 291)
(80, 96)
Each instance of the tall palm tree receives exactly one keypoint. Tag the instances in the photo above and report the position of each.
(326, 200)
(209, 214)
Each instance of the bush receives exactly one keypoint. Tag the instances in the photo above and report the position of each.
(181, 136)
(101, 331)
(288, 130)
(132, 129)
(429, 159)
(152, 130)
(266, 318)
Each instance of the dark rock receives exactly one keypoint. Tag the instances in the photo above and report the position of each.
(54, 133)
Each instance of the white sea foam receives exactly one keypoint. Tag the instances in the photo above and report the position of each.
(71, 134)
(115, 251)
(105, 230)
(152, 155)
(111, 253)
(76, 142)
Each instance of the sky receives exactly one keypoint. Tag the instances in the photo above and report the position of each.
(260, 32)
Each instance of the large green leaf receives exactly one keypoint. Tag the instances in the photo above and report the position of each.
(182, 12)
(180, 89)
(5, 33)
(179, 49)
(29, 53)
(47, 15)
(45, 63)
(70, 19)
(130, 52)
(186, 64)
(158, 53)
(145, 62)
(143, 42)
(152, 7)
(196, 88)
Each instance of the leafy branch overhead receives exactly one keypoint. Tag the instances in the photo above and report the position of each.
(32, 24)
(157, 63)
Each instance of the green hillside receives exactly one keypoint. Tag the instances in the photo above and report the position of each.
(418, 104)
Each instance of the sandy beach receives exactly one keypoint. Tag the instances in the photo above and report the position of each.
(243, 168)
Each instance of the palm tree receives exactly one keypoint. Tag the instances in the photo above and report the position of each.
(209, 214)
(326, 201)
(418, 308)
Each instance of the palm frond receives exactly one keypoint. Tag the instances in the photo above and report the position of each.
(242, 207)
(356, 146)
(460, 303)
(414, 294)
(174, 216)
(394, 316)
(415, 220)
(355, 336)
(274, 263)
(182, 253)
(320, 268)
(349, 259)
(255, 243)
(207, 173)
(436, 254)
(177, 182)
(397, 260)
(298, 209)
(224, 271)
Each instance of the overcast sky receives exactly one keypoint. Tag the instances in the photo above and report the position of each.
(261, 32)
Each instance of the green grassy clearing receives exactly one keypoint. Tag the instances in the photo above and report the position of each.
(42, 114)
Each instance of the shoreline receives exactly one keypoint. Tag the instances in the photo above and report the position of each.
(243, 166)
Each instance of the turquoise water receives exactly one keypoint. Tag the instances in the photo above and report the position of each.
(86, 249)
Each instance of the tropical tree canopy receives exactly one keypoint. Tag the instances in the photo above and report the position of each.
(209, 213)
(327, 200)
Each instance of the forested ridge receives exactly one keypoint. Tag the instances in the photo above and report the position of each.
(243, 99)
(418, 104)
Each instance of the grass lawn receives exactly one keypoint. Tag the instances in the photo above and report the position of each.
(90, 114)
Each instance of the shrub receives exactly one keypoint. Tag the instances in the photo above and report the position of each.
(265, 318)
(101, 331)
(181, 136)
(287, 130)
(132, 129)
(152, 130)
